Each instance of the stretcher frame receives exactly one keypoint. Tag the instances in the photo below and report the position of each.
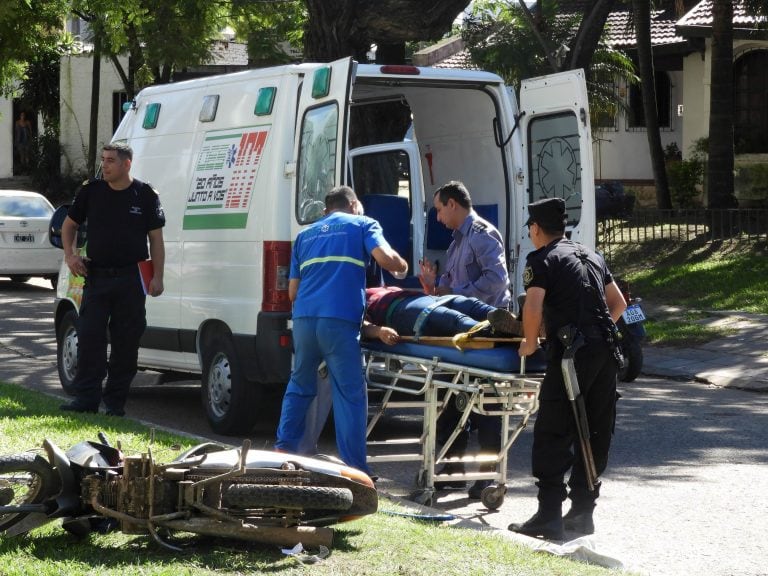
(431, 384)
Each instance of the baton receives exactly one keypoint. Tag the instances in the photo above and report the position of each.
(579, 413)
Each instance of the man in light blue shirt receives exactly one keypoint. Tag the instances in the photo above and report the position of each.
(475, 263)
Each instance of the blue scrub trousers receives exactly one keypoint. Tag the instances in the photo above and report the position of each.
(338, 343)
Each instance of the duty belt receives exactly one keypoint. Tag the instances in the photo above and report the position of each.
(116, 272)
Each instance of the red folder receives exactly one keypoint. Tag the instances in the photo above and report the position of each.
(146, 272)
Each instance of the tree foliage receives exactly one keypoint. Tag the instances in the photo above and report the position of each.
(267, 25)
(518, 42)
(27, 28)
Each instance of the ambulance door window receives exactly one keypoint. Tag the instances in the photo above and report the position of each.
(317, 161)
(556, 162)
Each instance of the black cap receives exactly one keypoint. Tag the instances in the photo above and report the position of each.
(548, 213)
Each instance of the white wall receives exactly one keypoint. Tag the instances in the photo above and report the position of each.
(622, 154)
(696, 76)
(75, 77)
(6, 138)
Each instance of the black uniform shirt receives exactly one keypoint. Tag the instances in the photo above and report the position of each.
(118, 221)
(557, 269)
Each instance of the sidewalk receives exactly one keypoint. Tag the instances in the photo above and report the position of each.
(738, 360)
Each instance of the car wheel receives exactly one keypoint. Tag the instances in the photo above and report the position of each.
(66, 351)
(20, 279)
(229, 399)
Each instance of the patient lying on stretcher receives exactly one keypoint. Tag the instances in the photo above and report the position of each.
(392, 312)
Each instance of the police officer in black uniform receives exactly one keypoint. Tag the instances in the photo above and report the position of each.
(568, 285)
(121, 213)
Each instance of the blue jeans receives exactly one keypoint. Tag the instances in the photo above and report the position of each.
(338, 343)
(455, 315)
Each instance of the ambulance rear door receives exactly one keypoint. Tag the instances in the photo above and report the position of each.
(557, 147)
(321, 137)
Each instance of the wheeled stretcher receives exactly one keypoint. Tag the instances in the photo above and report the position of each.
(491, 381)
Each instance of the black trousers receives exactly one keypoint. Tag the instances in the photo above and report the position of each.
(556, 449)
(114, 302)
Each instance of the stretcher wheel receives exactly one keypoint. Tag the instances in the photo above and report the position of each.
(493, 496)
(461, 401)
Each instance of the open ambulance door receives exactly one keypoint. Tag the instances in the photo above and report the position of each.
(321, 137)
(557, 144)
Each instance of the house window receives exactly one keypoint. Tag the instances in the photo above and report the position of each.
(635, 113)
(118, 100)
(750, 78)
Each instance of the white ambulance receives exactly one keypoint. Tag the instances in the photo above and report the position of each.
(243, 161)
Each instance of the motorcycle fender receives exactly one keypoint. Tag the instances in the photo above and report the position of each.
(68, 499)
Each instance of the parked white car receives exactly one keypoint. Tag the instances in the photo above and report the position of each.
(24, 247)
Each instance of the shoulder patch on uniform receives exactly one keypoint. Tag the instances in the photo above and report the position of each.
(480, 225)
(527, 276)
(88, 181)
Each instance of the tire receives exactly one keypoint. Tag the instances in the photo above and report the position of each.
(229, 399)
(19, 278)
(66, 351)
(633, 360)
(246, 496)
(30, 478)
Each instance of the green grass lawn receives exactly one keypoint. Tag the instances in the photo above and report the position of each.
(698, 277)
(376, 545)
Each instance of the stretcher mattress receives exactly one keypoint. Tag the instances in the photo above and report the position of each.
(502, 358)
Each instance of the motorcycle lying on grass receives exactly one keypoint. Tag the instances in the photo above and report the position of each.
(211, 489)
(631, 334)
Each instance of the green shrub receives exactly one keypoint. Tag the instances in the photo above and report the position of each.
(685, 176)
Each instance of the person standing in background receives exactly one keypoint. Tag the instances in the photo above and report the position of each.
(22, 140)
(121, 214)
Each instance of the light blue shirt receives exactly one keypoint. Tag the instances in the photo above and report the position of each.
(475, 264)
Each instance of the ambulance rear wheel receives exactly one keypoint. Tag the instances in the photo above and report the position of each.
(66, 351)
(229, 399)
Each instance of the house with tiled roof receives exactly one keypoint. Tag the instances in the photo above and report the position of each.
(682, 62)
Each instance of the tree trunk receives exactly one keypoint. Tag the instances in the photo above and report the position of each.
(349, 27)
(720, 165)
(641, 10)
(588, 36)
(93, 126)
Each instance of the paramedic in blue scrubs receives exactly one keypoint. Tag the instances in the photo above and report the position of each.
(475, 266)
(327, 288)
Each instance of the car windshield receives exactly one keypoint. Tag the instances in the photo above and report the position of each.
(24, 206)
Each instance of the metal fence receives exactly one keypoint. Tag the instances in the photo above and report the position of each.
(683, 226)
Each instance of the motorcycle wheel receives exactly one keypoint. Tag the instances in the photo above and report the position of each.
(24, 479)
(633, 361)
(245, 496)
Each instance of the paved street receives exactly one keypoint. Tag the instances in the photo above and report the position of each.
(683, 493)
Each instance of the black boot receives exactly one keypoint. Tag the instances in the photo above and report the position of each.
(579, 519)
(475, 491)
(451, 468)
(504, 322)
(547, 523)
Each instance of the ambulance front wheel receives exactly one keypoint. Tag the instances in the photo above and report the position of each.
(229, 398)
